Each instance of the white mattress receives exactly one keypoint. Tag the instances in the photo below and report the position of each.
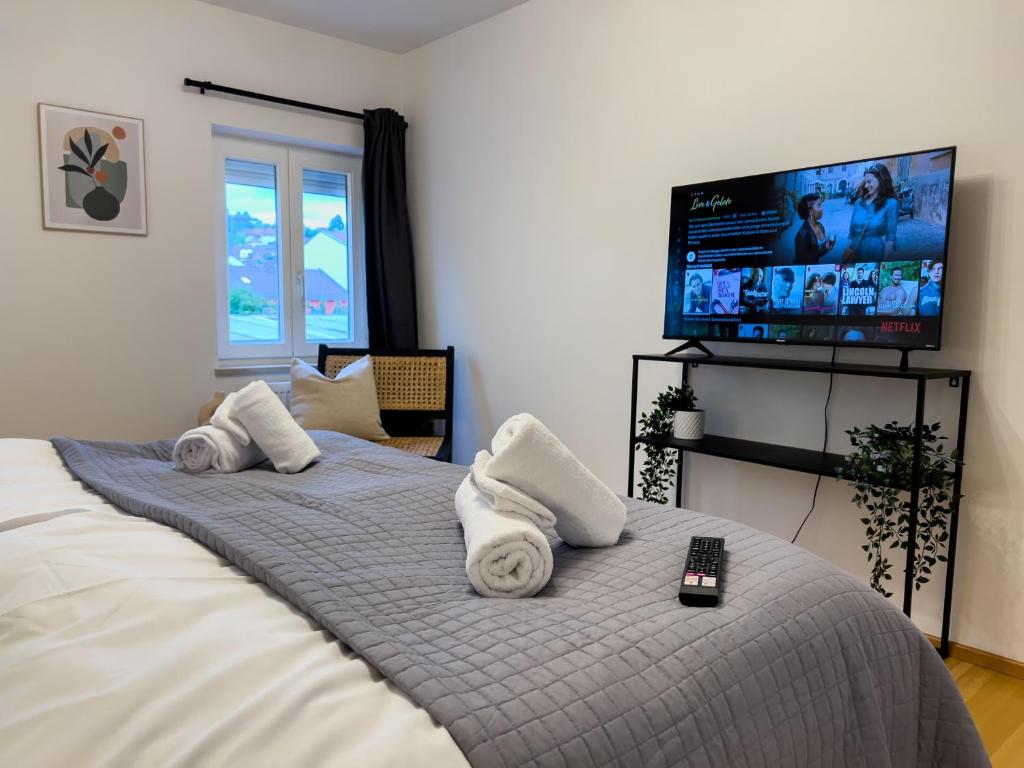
(124, 642)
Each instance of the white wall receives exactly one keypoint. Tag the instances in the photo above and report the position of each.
(544, 144)
(112, 336)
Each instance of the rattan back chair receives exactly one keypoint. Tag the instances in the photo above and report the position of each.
(414, 391)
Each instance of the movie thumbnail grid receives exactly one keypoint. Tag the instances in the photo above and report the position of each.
(784, 332)
(861, 289)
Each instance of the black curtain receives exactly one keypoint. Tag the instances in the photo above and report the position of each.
(390, 272)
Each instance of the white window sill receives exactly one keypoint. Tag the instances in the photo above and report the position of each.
(251, 370)
(241, 368)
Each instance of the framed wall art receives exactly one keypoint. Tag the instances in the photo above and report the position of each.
(93, 171)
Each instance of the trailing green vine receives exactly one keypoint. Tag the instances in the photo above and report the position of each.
(658, 472)
(879, 469)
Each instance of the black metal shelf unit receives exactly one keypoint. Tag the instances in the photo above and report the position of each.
(820, 462)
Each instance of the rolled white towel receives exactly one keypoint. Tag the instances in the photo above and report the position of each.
(224, 417)
(505, 498)
(528, 457)
(256, 413)
(211, 448)
(506, 555)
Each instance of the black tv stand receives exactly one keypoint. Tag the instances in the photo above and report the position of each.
(904, 359)
(691, 344)
(817, 462)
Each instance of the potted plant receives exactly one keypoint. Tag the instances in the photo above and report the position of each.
(880, 469)
(99, 204)
(658, 470)
(687, 419)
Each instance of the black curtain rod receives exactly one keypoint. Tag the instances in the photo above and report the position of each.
(206, 85)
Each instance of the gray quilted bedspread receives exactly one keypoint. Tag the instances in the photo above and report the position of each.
(800, 665)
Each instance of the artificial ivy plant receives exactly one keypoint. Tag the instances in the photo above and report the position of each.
(880, 469)
(659, 467)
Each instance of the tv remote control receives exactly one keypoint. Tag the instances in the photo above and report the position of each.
(703, 573)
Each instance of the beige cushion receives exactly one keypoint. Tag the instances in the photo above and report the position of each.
(206, 412)
(347, 403)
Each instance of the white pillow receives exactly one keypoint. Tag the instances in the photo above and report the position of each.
(347, 403)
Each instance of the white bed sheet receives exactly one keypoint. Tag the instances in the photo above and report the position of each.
(125, 643)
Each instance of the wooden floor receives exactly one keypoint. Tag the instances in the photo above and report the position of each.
(997, 703)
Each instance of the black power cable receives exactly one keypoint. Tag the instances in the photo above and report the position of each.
(824, 445)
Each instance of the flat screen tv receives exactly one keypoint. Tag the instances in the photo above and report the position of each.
(847, 254)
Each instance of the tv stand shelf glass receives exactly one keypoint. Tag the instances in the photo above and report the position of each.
(768, 454)
(817, 462)
(781, 456)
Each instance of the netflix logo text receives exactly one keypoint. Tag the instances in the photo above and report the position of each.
(901, 326)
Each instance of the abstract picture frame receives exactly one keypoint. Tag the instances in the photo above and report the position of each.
(93, 171)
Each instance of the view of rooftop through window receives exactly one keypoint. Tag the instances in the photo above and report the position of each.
(325, 256)
(255, 279)
(254, 259)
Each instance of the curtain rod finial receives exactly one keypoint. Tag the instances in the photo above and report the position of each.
(202, 85)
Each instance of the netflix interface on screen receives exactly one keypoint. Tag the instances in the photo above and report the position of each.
(851, 253)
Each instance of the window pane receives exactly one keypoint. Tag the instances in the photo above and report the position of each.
(254, 263)
(325, 253)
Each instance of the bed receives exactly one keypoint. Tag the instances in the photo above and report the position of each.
(125, 640)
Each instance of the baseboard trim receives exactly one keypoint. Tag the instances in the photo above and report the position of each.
(984, 659)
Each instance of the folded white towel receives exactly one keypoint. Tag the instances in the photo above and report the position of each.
(256, 413)
(533, 461)
(506, 556)
(209, 447)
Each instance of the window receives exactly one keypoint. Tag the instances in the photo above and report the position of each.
(288, 249)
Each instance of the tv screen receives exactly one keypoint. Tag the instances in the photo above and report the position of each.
(848, 254)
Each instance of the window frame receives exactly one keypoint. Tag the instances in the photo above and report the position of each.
(289, 161)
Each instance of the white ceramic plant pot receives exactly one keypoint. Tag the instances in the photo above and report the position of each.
(688, 425)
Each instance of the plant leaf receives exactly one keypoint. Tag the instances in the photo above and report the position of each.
(88, 142)
(81, 155)
(73, 168)
(98, 154)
